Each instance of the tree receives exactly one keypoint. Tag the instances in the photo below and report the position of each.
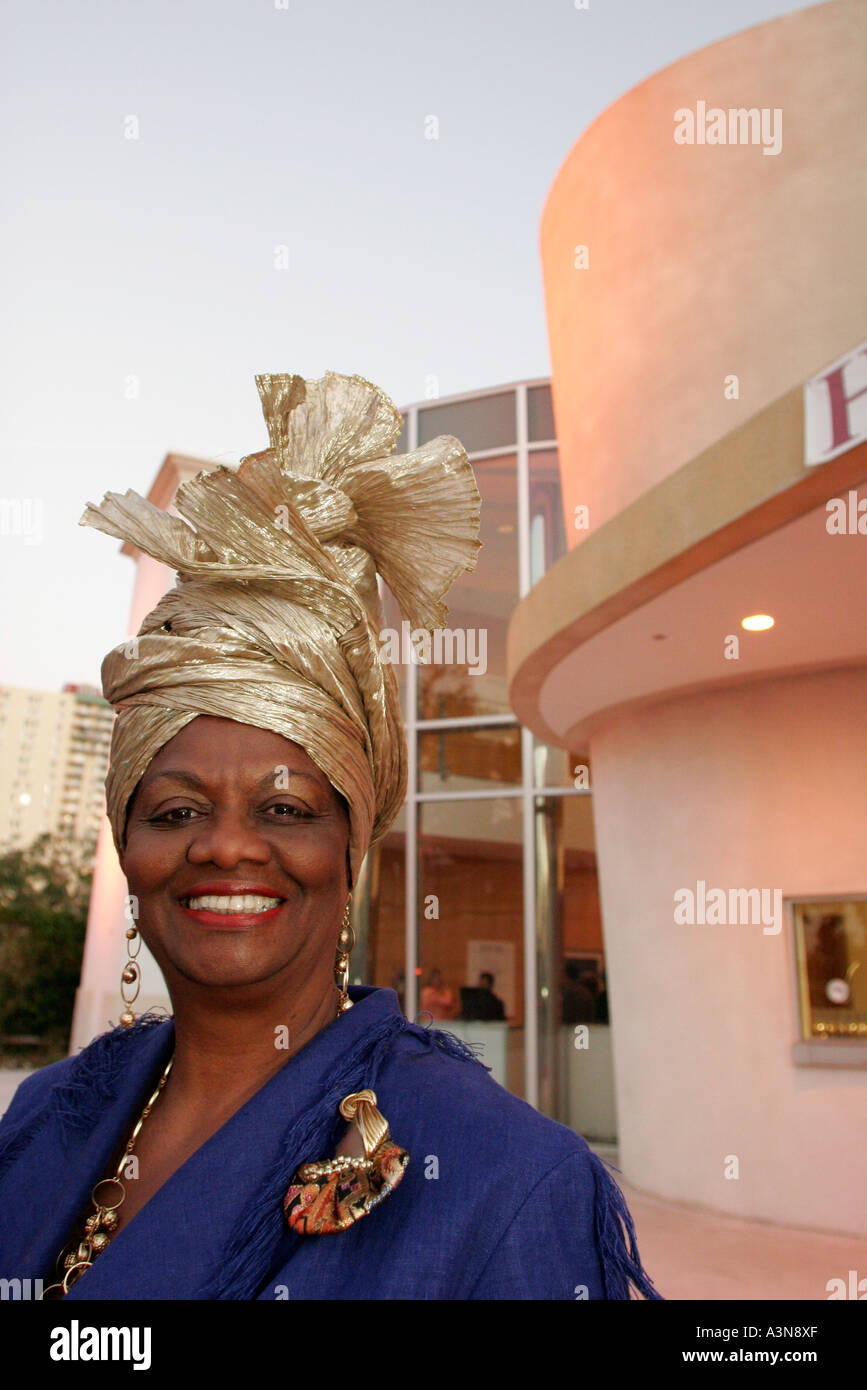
(44, 895)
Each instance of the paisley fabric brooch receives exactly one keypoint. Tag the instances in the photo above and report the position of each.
(334, 1193)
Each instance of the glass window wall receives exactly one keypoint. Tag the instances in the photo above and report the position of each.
(464, 760)
(540, 413)
(481, 906)
(480, 423)
(471, 927)
(466, 674)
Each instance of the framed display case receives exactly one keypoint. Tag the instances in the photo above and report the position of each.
(830, 947)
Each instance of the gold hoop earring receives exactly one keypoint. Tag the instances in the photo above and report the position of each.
(130, 979)
(345, 943)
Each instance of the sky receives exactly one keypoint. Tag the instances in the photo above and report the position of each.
(196, 193)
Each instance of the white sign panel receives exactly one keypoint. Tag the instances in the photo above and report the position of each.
(835, 408)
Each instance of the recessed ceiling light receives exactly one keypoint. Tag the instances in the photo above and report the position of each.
(757, 622)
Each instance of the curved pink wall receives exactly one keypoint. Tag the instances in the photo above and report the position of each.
(705, 260)
(763, 786)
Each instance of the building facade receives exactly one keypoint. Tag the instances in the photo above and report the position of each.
(704, 639)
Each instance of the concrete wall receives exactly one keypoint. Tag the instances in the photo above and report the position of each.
(763, 786)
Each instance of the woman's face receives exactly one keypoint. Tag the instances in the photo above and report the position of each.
(227, 810)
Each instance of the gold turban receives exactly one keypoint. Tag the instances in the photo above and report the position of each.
(274, 619)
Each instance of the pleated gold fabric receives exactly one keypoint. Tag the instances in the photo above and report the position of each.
(274, 619)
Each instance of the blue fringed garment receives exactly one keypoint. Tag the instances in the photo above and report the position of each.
(497, 1202)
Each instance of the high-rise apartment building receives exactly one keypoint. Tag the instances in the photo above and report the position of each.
(53, 759)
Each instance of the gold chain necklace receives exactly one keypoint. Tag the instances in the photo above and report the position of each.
(78, 1255)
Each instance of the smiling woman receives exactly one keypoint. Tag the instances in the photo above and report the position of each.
(257, 753)
(265, 872)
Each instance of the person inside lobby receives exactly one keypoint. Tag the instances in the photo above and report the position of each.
(437, 999)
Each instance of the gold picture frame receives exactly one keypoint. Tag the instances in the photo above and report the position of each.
(831, 960)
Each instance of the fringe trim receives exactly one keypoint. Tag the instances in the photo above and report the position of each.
(449, 1043)
(622, 1270)
(94, 1078)
(99, 1073)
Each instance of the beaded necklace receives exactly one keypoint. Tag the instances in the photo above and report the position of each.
(80, 1251)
